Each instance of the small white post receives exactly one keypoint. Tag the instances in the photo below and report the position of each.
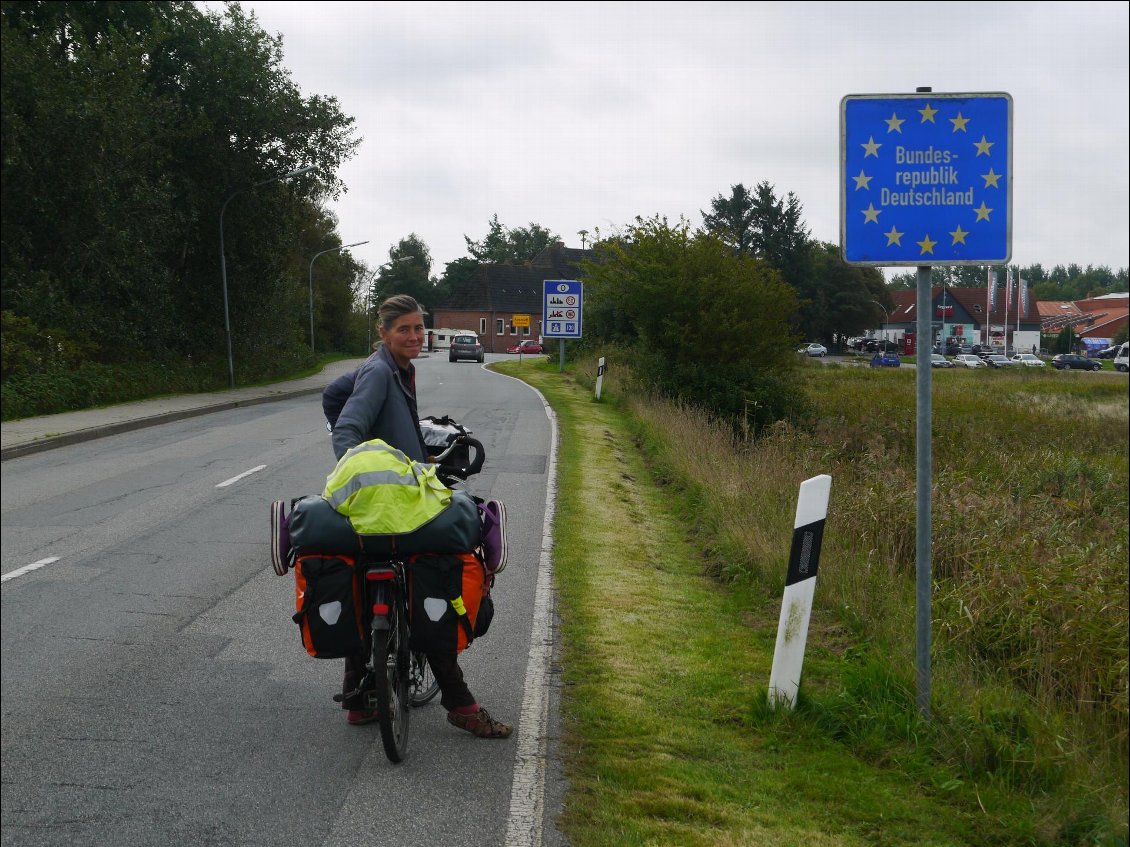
(599, 376)
(800, 585)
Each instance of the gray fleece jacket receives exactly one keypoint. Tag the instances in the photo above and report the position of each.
(382, 405)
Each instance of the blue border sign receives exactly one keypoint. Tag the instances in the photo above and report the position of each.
(926, 179)
(562, 302)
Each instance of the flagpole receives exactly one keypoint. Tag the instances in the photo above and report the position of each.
(988, 304)
(1008, 304)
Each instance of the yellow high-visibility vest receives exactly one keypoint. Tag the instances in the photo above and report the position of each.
(383, 492)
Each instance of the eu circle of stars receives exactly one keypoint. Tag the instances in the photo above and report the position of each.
(925, 179)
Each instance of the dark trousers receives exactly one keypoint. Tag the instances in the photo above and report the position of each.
(453, 689)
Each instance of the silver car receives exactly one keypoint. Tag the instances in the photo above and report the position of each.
(968, 360)
(466, 346)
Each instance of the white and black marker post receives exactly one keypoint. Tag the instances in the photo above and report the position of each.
(599, 375)
(800, 585)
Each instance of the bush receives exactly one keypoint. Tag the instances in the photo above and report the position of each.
(707, 326)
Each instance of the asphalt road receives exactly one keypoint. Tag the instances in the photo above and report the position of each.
(154, 690)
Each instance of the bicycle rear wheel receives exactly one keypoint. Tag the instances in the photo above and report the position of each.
(423, 682)
(390, 662)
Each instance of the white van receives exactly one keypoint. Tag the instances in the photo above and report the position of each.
(1121, 362)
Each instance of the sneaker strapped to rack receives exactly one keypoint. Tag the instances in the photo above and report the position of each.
(492, 516)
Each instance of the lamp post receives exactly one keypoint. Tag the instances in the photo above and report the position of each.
(942, 344)
(885, 321)
(316, 255)
(369, 300)
(224, 262)
(369, 306)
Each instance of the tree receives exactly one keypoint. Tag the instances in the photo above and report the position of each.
(731, 219)
(710, 327)
(780, 236)
(408, 271)
(838, 299)
(126, 128)
(501, 245)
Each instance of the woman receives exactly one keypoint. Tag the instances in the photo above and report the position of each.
(382, 405)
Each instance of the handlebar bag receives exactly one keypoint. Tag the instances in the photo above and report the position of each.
(445, 593)
(438, 434)
(328, 601)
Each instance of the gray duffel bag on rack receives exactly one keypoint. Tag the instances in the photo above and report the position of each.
(316, 527)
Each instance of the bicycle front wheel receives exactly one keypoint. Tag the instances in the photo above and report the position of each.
(391, 661)
(423, 682)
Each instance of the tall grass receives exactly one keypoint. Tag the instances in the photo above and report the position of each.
(1029, 557)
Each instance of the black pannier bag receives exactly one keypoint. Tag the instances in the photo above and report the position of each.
(445, 596)
(328, 600)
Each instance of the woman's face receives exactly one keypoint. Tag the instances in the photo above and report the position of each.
(405, 339)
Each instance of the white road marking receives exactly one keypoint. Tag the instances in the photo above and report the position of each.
(228, 482)
(527, 791)
(34, 566)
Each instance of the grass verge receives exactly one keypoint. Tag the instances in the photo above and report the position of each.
(666, 668)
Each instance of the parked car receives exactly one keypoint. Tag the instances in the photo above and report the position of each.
(815, 349)
(875, 345)
(465, 346)
(937, 360)
(1028, 360)
(1075, 362)
(529, 346)
(1108, 352)
(998, 361)
(968, 360)
(1122, 358)
(886, 360)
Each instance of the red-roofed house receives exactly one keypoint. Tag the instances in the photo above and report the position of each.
(964, 315)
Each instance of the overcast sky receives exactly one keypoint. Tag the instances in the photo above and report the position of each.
(584, 115)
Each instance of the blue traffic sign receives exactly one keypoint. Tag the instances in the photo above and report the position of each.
(926, 179)
(561, 308)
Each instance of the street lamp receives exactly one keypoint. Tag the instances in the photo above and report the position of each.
(885, 321)
(316, 255)
(224, 263)
(369, 299)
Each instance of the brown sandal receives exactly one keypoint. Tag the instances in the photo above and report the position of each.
(480, 724)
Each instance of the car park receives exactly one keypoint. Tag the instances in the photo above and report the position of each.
(1028, 360)
(998, 361)
(465, 346)
(1075, 362)
(937, 360)
(529, 346)
(968, 360)
(815, 349)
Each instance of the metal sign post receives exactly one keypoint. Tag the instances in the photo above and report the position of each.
(518, 321)
(925, 179)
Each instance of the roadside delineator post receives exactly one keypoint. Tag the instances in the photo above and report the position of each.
(800, 585)
(599, 375)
